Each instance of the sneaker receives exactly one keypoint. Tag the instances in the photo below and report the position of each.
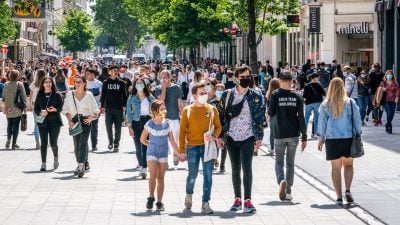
(248, 207)
(14, 147)
(176, 160)
(282, 190)
(116, 148)
(150, 202)
(8, 143)
(160, 206)
(188, 201)
(339, 201)
(143, 173)
(87, 167)
(349, 197)
(271, 152)
(94, 149)
(222, 169)
(288, 197)
(43, 167)
(56, 164)
(81, 172)
(76, 171)
(237, 205)
(110, 146)
(206, 209)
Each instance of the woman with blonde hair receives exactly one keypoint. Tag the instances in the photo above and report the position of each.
(338, 118)
(272, 86)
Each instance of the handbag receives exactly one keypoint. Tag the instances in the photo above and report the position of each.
(77, 128)
(357, 147)
(19, 101)
(24, 122)
(41, 118)
(210, 147)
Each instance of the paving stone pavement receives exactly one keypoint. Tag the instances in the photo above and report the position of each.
(376, 185)
(112, 194)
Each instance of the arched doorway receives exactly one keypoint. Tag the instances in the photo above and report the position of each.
(156, 53)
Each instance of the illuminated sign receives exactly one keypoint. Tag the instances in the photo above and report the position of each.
(29, 9)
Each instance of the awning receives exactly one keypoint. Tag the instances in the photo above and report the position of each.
(24, 42)
(49, 54)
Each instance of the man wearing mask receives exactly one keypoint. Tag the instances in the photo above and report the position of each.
(193, 127)
(376, 77)
(113, 104)
(171, 94)
(242, 113)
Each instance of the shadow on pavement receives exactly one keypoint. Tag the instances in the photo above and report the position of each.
(70, 177)
(130, 152)
(37, 171)
(129, 170)
(66, 172)
(103, 152)
(325, 206)
(186, 213)
(135, 178)
(279, 203)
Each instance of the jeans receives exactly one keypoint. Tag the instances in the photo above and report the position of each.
(194, 155)
(94, 131)
(81, 146)
(376, 112)
(241, 156)
(289, 146)
(114, 116)
(362, 102)
(13, 129)
(390, 108)
(45, 131)
(36, 129)
(141, 149)
(312, 107)
(271, 133)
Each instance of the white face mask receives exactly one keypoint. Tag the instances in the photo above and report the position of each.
(203, 99)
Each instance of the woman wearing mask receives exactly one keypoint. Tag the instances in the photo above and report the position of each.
(197, 78)
(48, 106)
(34, 87)
(363, 94)
(80, 107)
(391, 88)
(337, 115)
(13, 113)
(211, 89)
(138, 113)
(273, 85)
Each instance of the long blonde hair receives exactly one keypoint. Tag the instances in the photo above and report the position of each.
(273, 85)
(336, 96)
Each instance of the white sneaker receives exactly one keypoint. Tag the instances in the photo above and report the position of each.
(206, 209)
(282, 190)
(139, 170)
(143, 173)
(270, 152)
(288, 197)
(188, 201)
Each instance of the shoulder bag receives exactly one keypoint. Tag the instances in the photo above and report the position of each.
(19, 101)
(357, 147)
(77, 128)
(41, 118)
(210, 148)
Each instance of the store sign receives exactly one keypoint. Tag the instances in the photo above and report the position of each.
(362, 28)
(29, 9)
(315, 20)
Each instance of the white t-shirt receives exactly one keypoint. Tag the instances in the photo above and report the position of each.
(95, 87)
(34, 91)
(145, 107)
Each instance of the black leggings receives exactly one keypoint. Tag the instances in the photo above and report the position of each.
(45, 131)
(13, 129)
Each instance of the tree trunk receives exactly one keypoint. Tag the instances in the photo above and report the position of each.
(74, 55)
(192, 56)
(131, 43)
(198, 55)
(251, 16)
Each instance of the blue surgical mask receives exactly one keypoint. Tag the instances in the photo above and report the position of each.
(139, 87)
(219, 94)
(389, 76)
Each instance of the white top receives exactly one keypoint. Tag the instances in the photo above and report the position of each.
(145, 107)
(96, 84)
(86, 106)
(34, 91)
(183, 77)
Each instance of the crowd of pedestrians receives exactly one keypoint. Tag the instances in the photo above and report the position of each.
(201, 114)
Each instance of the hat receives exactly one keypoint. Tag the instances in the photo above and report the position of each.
(346, 67)
(285, 76)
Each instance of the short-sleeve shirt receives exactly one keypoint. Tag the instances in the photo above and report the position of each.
(174, 93)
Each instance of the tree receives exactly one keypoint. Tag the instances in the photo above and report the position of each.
(114, 18)
(8, 28)
(273, 21)
(77, 33)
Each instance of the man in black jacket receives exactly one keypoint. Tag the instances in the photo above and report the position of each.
(286, 107)
(113, 102)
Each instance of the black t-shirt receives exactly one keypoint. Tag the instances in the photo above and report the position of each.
(313, 93)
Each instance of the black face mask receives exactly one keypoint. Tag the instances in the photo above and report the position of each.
(244, 83)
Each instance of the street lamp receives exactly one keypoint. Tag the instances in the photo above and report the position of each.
(381, 24)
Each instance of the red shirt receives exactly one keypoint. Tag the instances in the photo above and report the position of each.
(392, 90)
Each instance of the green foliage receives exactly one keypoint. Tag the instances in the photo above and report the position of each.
(77, 33)
(8, 28)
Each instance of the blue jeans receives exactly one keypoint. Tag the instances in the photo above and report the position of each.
(362, 102)
(194, 154)
(390, 108)
(36, 129)
(312, 107)
(288, 146)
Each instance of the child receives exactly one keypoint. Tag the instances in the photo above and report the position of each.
(159, 132)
